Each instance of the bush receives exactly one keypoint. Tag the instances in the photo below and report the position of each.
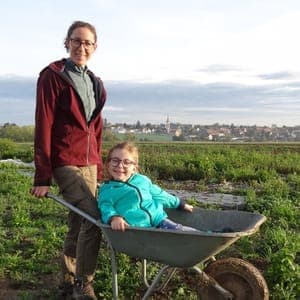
(7, 148)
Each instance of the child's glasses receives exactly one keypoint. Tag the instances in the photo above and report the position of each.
(125, 162)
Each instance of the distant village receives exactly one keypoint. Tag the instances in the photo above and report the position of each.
(214, 132)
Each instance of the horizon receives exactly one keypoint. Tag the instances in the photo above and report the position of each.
(175, 123)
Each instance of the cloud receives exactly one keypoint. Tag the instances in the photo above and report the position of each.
(218, 68)
(113, 108)
(192, 102)
(216, 109)
(278, 75)
(184, 101)
(16, 87)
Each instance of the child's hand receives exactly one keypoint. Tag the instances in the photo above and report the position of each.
(118, 223)
(188, 207)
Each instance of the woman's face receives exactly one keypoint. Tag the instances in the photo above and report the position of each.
(121, 165)
(81, 45)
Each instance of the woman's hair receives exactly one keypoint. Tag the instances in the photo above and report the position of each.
(76, 25)
(129, 147)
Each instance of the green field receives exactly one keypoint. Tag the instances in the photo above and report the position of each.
(267, 175)
(139, 137)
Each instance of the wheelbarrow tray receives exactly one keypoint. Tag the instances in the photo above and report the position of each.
(185, 248)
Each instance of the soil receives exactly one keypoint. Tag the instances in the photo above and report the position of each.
(10, 290)
(47, 289)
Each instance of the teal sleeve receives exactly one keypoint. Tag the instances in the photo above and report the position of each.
(106, 206)
(168, 200)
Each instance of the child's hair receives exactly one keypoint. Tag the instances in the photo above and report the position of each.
(130, 147)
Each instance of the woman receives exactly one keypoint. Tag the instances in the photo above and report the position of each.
(67, 147)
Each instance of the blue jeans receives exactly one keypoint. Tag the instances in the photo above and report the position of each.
(168, 224)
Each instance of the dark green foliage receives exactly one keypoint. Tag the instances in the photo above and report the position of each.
(17, 133)
(7, 148)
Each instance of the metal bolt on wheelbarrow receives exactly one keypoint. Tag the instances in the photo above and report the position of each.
(229, 279)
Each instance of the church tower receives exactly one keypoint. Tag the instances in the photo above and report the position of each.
(167, 125)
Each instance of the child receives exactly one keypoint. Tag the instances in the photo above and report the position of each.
(131, 199)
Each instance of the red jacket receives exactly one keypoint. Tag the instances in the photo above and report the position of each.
(62, 134)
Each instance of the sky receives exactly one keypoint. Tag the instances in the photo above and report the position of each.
(196, 61)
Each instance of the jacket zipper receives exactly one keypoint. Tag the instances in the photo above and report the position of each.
(140, 204)
(88, 146)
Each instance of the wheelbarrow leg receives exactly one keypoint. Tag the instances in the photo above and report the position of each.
(114, 267)
(114, 271)
(164, 283)
(151, 288)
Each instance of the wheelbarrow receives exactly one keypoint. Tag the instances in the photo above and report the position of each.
(228, 279)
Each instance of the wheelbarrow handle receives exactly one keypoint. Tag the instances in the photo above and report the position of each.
(74, 209)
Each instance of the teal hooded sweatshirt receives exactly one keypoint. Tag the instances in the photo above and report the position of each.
(140, 202)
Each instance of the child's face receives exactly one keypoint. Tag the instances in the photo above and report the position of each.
(121, 165)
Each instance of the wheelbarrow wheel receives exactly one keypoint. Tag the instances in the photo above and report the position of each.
(239, 277)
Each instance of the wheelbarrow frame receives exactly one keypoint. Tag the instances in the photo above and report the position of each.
(118, 243)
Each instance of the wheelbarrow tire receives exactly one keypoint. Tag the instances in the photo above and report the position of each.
(239, 277)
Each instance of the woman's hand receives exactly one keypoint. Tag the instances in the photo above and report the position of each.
(39, 191)
(188, 207)
(118, 223)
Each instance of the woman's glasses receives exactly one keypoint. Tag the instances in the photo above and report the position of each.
(126, 163)
(76, 43)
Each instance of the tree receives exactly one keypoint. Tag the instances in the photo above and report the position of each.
(138, 125)
(7, 148)
(17, 133)
(108, 136)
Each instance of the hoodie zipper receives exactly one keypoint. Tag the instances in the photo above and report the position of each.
(88, 145)
(140, 202)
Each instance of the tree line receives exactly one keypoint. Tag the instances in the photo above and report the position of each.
(25, 134)
(19, 134)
